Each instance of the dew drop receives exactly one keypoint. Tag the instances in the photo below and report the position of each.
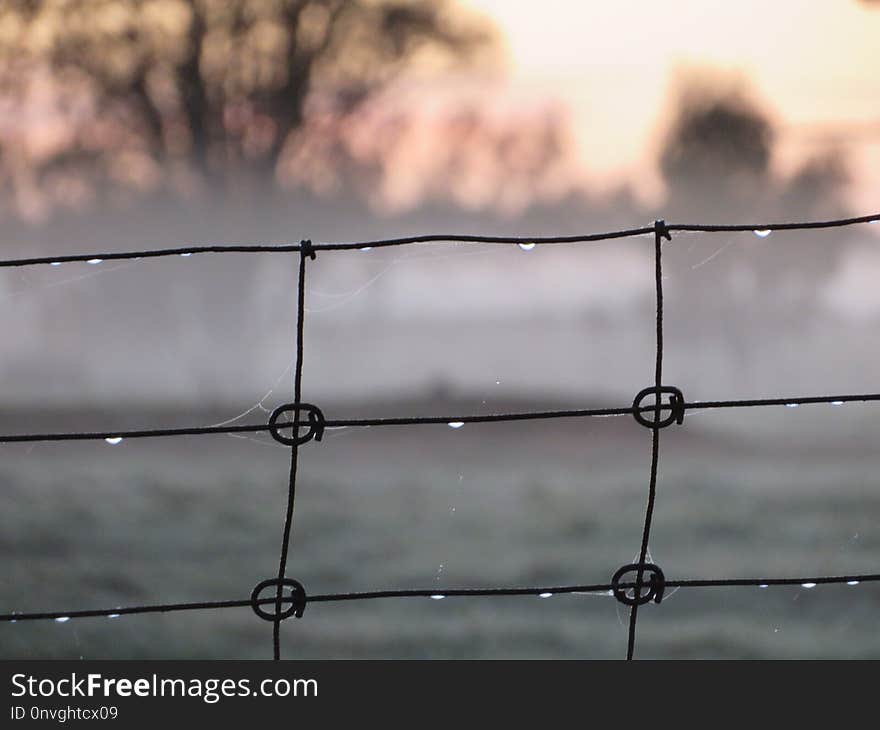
(437, 597)
(55, 263)
(366, 248)
(792, 405)
(837, 402)
(763, 585)
(762, 232)
(185, 255)
(456, 424)
(113, 615)
(114, 440)
(852, 582)
(808, 585)
(544, 595)
(527, 246)
(62, 619)
(94, 261)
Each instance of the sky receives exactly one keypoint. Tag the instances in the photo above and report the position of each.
(812, 63)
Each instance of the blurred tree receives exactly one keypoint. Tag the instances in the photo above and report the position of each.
(716, 163)
(718, 148)
(815, 189)
(211, 89)
(475, 150)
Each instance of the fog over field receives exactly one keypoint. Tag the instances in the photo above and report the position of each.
(745, 316)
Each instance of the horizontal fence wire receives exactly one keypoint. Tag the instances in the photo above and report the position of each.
(649, 583)
(437, 420)
(442, 593)
(434, 238)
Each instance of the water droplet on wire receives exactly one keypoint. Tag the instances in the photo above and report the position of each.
(55, 263)
(94, 261)
(437, 597)
(792, 405)
(366, 248)
(762, 232)
(62, 619)
(763, 585)
(527, 246)
(852, 582)
(544, 595)
(114, 440)
(837, 402)
(808, 585)
(456, 424)
(185, 255)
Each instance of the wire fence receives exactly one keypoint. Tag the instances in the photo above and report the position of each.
(298, 423)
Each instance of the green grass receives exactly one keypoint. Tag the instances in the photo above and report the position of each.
(91, 525)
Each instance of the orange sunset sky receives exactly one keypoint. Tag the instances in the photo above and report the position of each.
(814, 65)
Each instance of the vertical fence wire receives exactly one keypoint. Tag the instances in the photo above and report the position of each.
(659, 233)
(304, 253)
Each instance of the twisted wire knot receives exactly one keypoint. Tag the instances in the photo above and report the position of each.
(661, 229)
(307, 248)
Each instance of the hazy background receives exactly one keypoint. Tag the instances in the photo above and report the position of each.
(128, 125)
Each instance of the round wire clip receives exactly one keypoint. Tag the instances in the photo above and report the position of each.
(296, 599)
(675, 407)
(314, 421)
(655, 584)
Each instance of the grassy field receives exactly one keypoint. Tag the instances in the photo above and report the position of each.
(199, 518)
